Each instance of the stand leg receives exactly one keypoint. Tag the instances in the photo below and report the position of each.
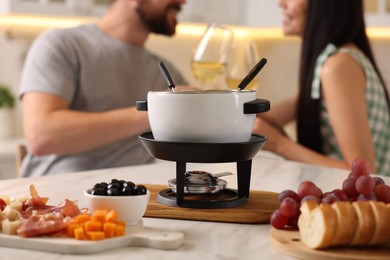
(180, 173)
(244, 177)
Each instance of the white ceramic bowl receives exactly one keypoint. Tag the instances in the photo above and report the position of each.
(208, 116)
(129, 208)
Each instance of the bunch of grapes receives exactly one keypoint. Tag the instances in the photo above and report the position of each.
(359, 186)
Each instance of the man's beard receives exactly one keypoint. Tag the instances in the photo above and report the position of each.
(157, 23)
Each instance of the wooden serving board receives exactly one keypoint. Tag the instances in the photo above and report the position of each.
(136, 235)
(288, 242)
(257, 210)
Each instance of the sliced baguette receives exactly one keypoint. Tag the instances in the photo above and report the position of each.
(366, 223)
(382, 219)
(346, 222)
(306, 208)
(388, 214)
(318, 228)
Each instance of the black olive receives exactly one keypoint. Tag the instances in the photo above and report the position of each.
(139, 190)
(114, 185)
(121, 182)
(99, 191)
(127, 191)
(99, 185)
(129, 184)
(114, 181)
(118, 187)
(104, 184)
(113, 191)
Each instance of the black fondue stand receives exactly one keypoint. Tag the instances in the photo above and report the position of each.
(242, 153)
(181, 153)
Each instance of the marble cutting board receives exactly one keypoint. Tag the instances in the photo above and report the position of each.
(136, 235)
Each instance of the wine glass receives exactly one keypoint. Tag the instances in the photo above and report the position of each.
(243, 57)
(211, 54)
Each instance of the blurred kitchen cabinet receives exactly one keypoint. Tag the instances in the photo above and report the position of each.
(219, 11)
(55, 7)
(233, 12)
(264, 13)
(7, 167)
(377, 12)
(255, 13)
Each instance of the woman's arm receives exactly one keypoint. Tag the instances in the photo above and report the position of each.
(343, 89)
(283, 146)
(283, 112)
(343, 86)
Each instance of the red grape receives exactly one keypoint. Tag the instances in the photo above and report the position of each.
(378, 180)
(311, 197)
(278, 220)
(288, 194)
(340, 194)
(330, 198)
(289, 207)
(359, 186)
(360, 166)
(293, 222)
(307, 188)
(3, 204)
(365, 184)
(24, 205)
(363, 197)
(349, 187)
(352, 199)
(382, 192)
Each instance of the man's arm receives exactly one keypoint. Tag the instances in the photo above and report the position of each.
(50, 127)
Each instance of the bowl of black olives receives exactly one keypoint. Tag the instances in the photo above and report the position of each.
(128, 199)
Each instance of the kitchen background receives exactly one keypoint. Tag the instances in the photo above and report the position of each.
(257, 19)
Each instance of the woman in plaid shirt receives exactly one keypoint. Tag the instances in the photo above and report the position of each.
(342, 109)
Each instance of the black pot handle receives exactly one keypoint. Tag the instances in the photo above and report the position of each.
(142, 105)
(257, 106)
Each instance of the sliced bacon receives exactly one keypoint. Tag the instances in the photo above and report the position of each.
(38, 205)
(36, 200)
(67, 209)
(42, 219)
(37, 211)
(43, 225)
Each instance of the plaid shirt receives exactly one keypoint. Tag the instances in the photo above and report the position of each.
(378, 111)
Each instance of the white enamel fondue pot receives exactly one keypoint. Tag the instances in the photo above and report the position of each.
(203, 116)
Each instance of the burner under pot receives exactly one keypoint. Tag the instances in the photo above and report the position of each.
(201, 182)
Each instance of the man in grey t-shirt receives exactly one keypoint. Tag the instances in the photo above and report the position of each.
(79, 87)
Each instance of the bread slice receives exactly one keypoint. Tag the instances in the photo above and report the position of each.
(382, 220)
(306, 208)
(366, 223)
(346, 222)
(318, 228)
(388, 214)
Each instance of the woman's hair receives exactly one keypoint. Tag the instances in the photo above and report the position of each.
(327, 21)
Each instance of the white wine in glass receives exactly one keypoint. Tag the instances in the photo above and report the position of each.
(210, 56)
(243, 57)
(207, 72)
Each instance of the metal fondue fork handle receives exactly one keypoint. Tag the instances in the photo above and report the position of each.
(221, 174)
(166, 75)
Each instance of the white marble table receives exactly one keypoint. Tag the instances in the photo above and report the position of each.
(203, 240)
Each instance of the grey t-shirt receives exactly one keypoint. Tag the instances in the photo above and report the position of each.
(94, 73)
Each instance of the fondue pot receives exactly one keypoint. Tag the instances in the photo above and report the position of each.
(202, 116)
